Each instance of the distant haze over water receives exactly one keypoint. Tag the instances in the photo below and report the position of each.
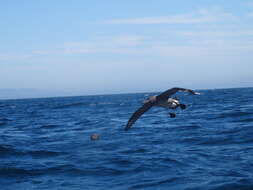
(21, 93)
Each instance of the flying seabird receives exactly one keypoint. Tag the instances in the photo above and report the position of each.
(162, 100)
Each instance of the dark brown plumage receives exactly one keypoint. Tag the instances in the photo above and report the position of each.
(162, 100)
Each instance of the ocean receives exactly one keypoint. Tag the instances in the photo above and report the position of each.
(45, 143)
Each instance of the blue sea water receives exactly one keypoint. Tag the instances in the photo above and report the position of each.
(45, 143)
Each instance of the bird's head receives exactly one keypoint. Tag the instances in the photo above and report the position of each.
(150, 99)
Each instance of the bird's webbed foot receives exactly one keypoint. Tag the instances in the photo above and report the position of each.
(172, 115)
(182, 106)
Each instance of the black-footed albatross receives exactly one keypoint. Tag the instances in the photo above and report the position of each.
(162, 100)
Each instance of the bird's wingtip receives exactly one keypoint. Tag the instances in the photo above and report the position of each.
(126, 128)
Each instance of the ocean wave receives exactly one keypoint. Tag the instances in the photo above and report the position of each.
(206, 147)
(215, 141)
(237, 184)
(43, 153)
(247, 120)
(71, 105)
(8, 150)
(2, 105)
(154, 183)
(173, 161)
(3, 123)
(134, 150)
(5, 149)
(233, 114)
(10, 171)
(14, 172)
(186, 127)
(48, 126)
(4, 119)
(81, 104)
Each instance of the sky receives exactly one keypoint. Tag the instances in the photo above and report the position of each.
(101, 47)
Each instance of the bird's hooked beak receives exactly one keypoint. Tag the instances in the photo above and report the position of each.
(145, 101)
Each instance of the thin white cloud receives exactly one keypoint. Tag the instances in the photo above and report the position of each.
(124, 44)
(250, 14)
(200, 16)
(217, 42)
(239, 33)
(195, 46)
(205, 41)
(106, 41)
(109, 44)
(180, 19)
(214, 50)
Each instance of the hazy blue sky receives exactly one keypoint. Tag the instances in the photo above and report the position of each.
(112, 46)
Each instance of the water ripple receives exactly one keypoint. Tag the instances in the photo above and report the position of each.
(45, 143)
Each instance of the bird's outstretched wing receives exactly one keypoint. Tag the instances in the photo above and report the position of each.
(137, 114)
(168, 93)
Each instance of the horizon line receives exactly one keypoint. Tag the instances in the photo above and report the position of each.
(107, 94)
